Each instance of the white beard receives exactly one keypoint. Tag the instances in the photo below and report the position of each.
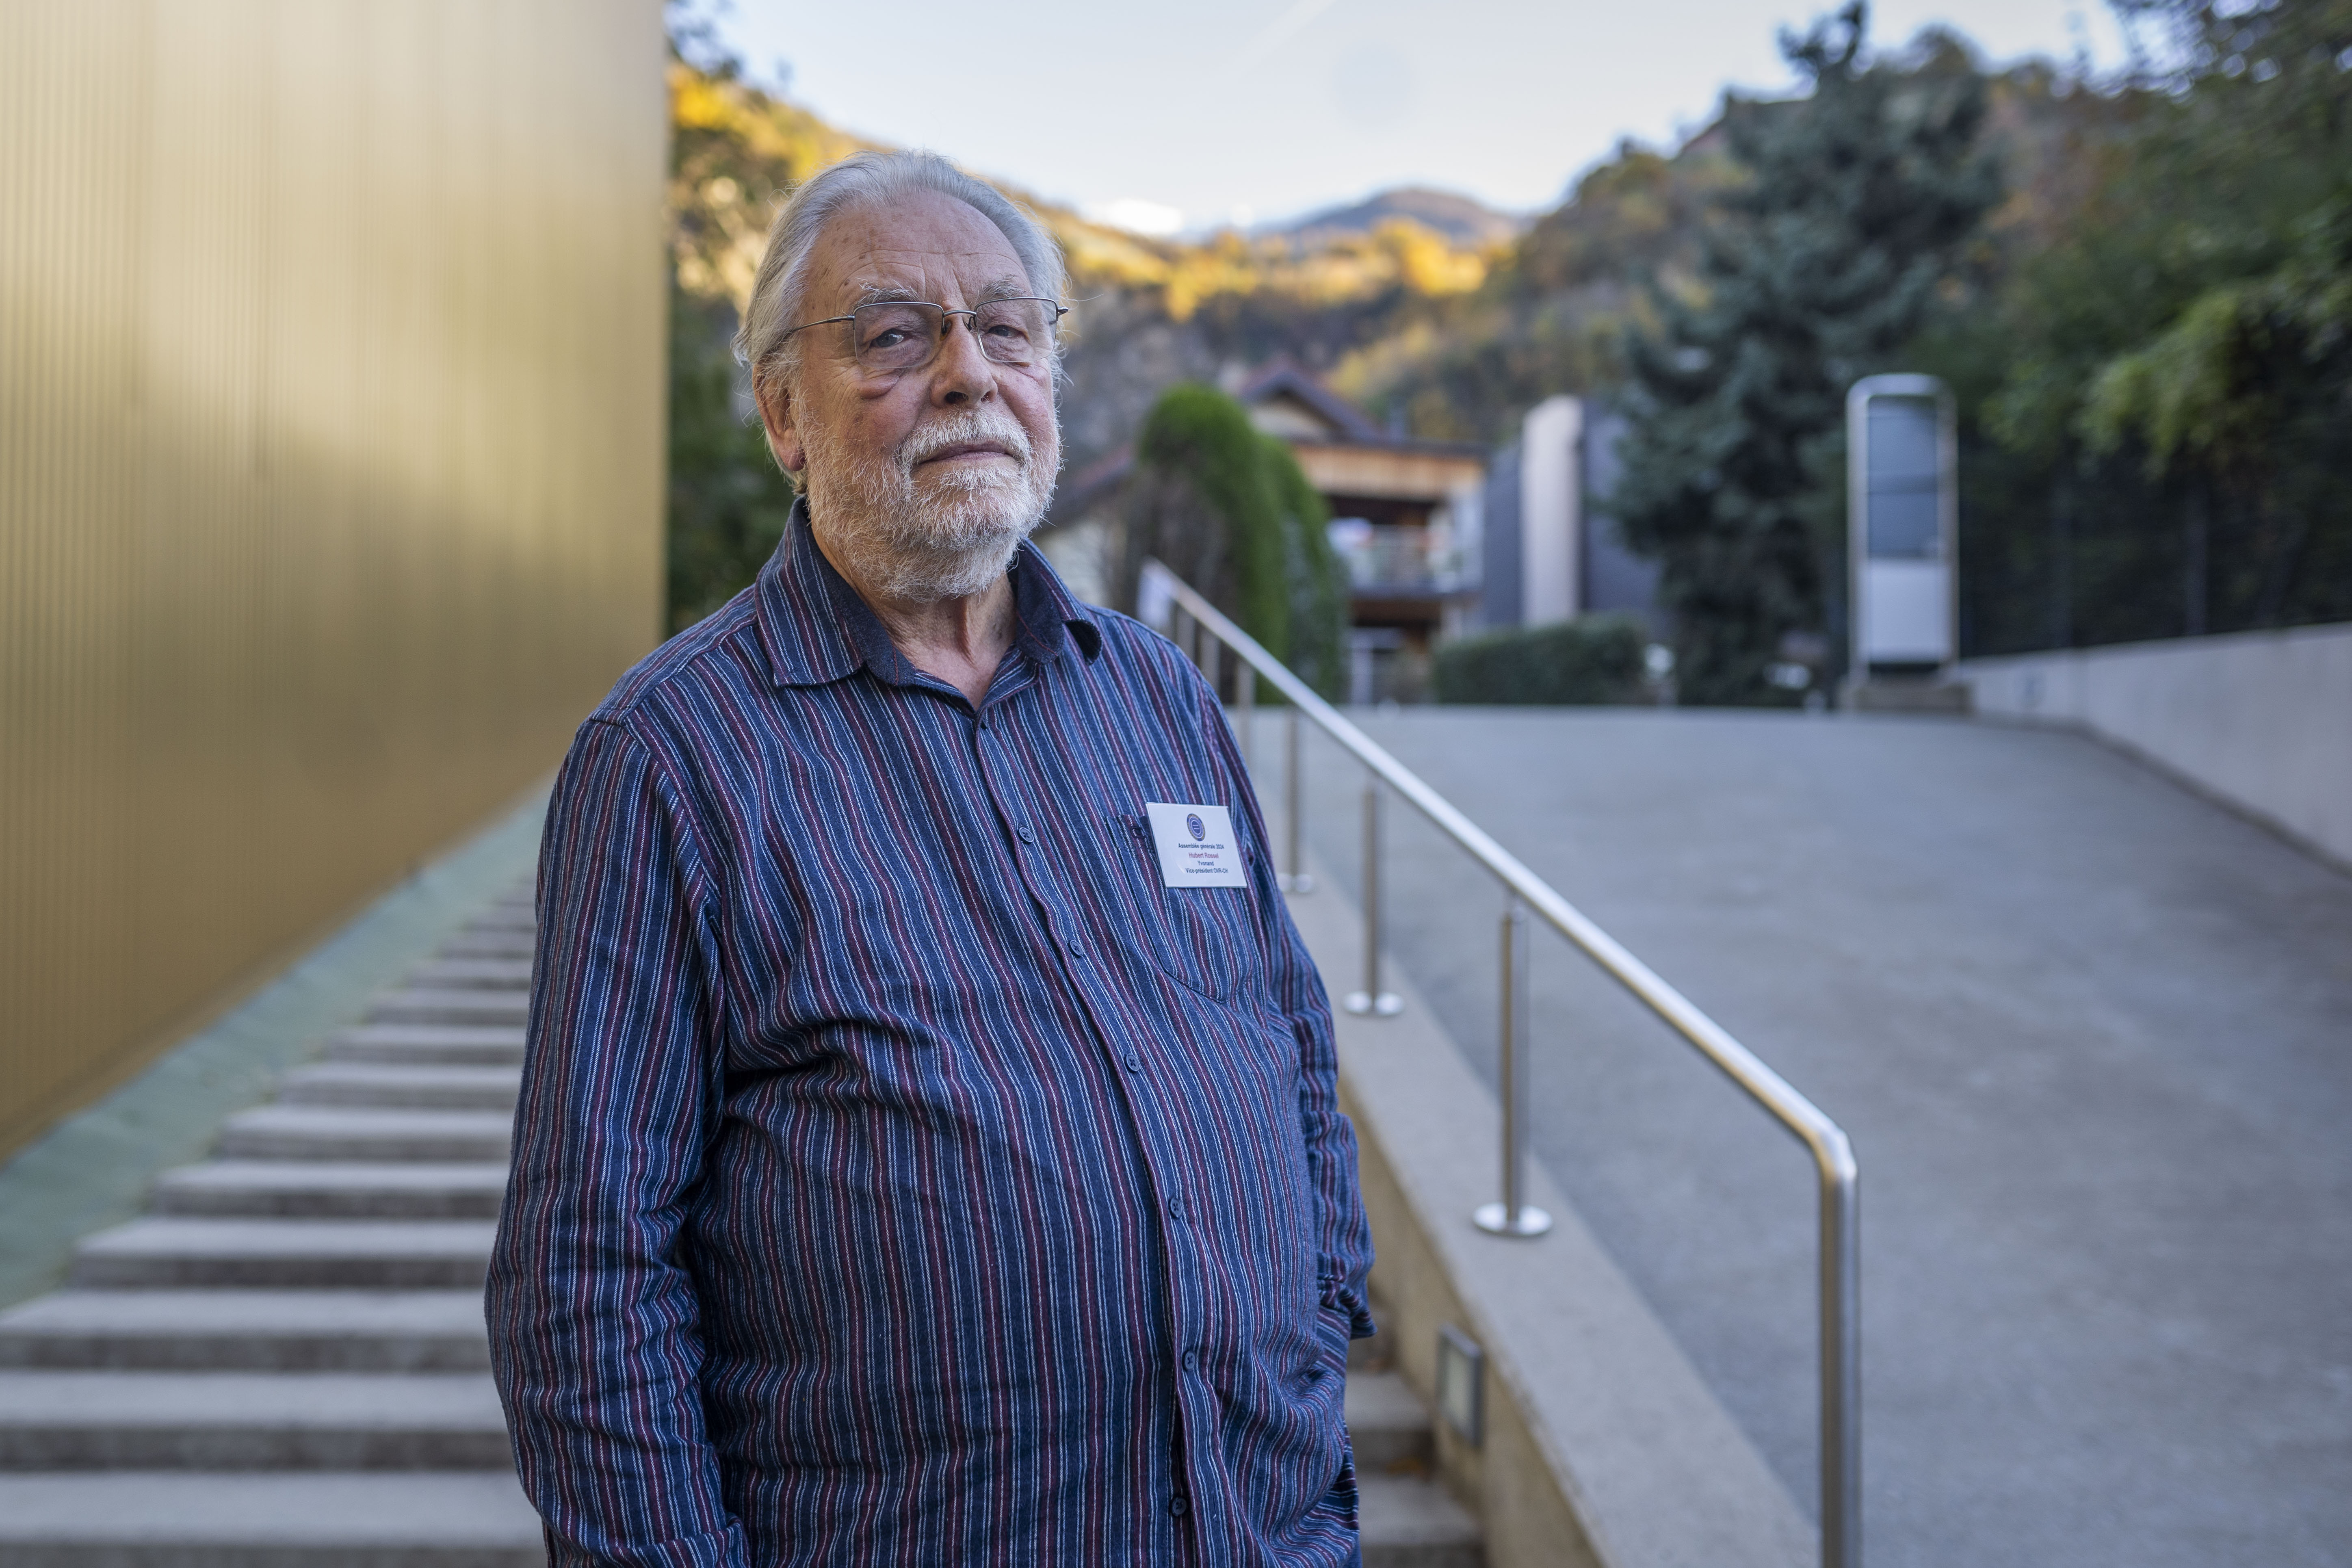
(949, 539)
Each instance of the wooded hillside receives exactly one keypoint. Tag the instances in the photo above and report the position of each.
(2146, 330)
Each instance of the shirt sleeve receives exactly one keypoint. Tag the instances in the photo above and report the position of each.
(592, 1317)
(1343, 1261)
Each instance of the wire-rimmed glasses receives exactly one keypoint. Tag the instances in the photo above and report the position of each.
(893, 336)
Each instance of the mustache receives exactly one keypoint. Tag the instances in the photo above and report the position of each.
(964, 427)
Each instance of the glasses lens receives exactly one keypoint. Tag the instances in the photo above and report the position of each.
(1014, 332)
(896, 335)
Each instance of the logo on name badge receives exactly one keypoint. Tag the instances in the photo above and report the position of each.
(1198, 831)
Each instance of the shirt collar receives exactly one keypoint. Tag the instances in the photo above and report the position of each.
(816, 629)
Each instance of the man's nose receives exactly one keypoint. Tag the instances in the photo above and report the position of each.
(962, 373)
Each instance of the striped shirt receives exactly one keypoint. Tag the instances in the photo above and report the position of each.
(902, 1174)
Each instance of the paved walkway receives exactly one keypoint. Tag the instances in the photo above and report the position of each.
(2092, 1038)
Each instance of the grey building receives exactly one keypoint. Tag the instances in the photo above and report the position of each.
(1550, 549)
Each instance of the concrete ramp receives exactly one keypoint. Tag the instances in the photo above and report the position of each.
(2091, 1034)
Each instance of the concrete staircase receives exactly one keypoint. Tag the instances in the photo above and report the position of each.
(1408, 1518)
(282, 1365)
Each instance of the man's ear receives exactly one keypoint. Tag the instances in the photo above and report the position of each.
(775, 401)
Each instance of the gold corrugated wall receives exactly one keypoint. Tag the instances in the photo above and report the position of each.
(330, 447)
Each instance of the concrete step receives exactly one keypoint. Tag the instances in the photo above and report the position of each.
(459, 974)
(359, 1254)
(490, 945)
(327, 1133)
(466, 1006)
(180, 1518)
(248, 1331)
(250, 1420)
(1387, 1424)
(1893, 695)
(1409, 1522)
(504, 917)
(422, 1044)
(432, 1088)
(330, 1189)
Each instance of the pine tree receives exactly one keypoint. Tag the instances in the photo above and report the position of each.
(1820, 267)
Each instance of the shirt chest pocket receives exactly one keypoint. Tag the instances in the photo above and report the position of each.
(1205, 938)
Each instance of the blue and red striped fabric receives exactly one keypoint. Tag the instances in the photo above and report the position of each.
(902, 1174)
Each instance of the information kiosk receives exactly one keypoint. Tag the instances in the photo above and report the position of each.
(1904, 516)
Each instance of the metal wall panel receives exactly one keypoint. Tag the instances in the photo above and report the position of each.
(331, 407)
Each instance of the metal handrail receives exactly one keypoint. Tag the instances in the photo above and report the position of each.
(1833, 1152)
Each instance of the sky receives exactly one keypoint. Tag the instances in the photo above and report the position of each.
(1192, 116)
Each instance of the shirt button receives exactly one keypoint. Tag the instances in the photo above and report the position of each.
(1024, 835)
(1190, 1358)
(1135, 1064)
(1178, 1506)
(1177, 1208)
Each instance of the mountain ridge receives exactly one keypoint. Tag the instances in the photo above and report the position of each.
(1463, 219)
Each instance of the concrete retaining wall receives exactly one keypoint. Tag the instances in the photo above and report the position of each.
(2261, 720)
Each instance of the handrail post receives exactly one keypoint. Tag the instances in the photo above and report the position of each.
(1514, 1216)
(1840, 1285)
(1296, 879)
(1371, 1001)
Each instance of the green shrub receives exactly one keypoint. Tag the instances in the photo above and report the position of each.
(1230, 512)
(1589, 661)
(727, 500)
(1316, 579)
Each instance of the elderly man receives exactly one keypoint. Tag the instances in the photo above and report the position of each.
(927, 1150)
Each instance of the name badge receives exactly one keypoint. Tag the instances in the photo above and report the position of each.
(1196, 846)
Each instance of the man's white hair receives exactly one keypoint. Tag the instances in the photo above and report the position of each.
(865, 179)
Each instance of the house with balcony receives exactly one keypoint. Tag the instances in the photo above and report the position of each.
(1405, 518)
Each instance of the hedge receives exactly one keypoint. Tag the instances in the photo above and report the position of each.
(1589, 661)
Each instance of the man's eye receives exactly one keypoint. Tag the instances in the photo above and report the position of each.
(888, 338)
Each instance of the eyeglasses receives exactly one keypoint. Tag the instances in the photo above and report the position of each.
(892, 336)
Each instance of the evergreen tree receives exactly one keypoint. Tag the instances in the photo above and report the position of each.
(1228, 509)
(1822, 264)
(1316, 579)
